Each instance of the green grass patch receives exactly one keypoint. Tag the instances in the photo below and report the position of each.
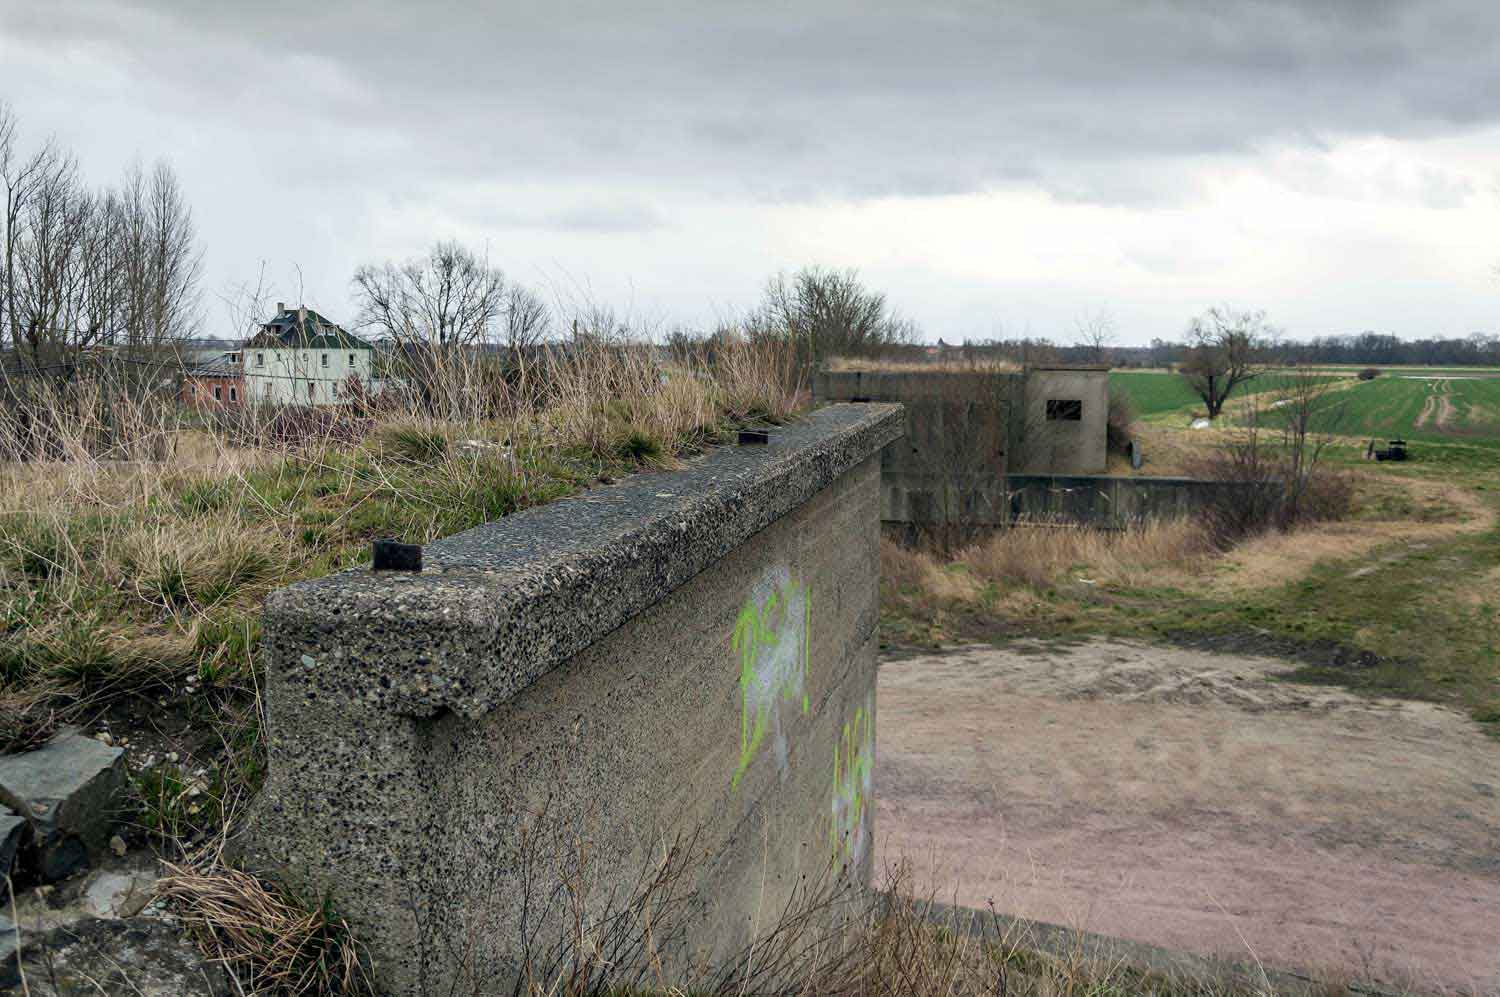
(1160, 394)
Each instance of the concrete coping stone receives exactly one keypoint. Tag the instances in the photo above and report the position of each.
(497, 606)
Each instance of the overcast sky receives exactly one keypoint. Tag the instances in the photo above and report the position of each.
(1005, 167)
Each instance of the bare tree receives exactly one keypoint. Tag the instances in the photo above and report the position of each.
(44, 224)
(525, 318)
(1096, 333)
(450, 298)
(825, 312)
(116, 268)
(1226, 349)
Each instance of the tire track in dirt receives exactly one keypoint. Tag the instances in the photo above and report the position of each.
(1438, 410)
(1447, 415)
(1429, 409)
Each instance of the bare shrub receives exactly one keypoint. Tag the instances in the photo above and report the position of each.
(1252, 497)
(1328, 495)
(100, 408)
(1119, 428)
(1272, 466)
(292, 426)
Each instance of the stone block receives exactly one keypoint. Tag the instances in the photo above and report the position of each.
(72, 785)
(13, 831)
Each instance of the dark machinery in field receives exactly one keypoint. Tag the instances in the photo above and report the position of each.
(1394, 450)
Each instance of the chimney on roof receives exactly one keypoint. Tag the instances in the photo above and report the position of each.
(280, 307)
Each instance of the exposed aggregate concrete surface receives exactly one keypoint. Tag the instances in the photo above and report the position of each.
(558, 698)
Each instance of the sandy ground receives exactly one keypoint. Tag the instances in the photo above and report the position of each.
(1190, 800)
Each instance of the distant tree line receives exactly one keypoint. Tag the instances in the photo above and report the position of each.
(1366, 348)
(1382, 349)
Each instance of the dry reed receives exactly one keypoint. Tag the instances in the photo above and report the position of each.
(1038, 555)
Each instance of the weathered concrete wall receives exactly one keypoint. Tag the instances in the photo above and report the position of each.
(1052, 443)
(562, 694)
(1103, 500)
(950, 465)
(965, 430)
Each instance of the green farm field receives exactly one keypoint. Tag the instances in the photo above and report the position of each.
(1431, 408)
(1434, 408)
(1162, 393)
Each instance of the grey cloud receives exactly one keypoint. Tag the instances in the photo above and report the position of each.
(819, 98)
(599, 216)
(556, 132)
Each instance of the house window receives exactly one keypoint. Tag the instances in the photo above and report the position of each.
(351, 360)
(260, 359)
(323, 360)
(1064, 409)
(309, 389)
(217, 389)
(233, 395)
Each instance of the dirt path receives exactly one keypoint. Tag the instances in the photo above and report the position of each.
(1429, 409)
(1191, 801)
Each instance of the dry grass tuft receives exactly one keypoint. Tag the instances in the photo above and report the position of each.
(27, 720)
(1009, 573)
(1041, 553)
(269, 940)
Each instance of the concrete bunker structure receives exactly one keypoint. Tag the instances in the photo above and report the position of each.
(995, 447)
(967, 430)
(560, 695)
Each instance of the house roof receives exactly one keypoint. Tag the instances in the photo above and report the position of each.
(219, 366)
(305, 329)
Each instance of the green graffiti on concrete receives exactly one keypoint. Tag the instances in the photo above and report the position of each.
(853, 770)
(772, 637)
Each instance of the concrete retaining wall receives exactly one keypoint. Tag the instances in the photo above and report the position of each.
(950, 464)
(558, 696)
(1103, 500)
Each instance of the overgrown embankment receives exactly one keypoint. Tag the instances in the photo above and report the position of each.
(130, 589)
(1402, 597)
